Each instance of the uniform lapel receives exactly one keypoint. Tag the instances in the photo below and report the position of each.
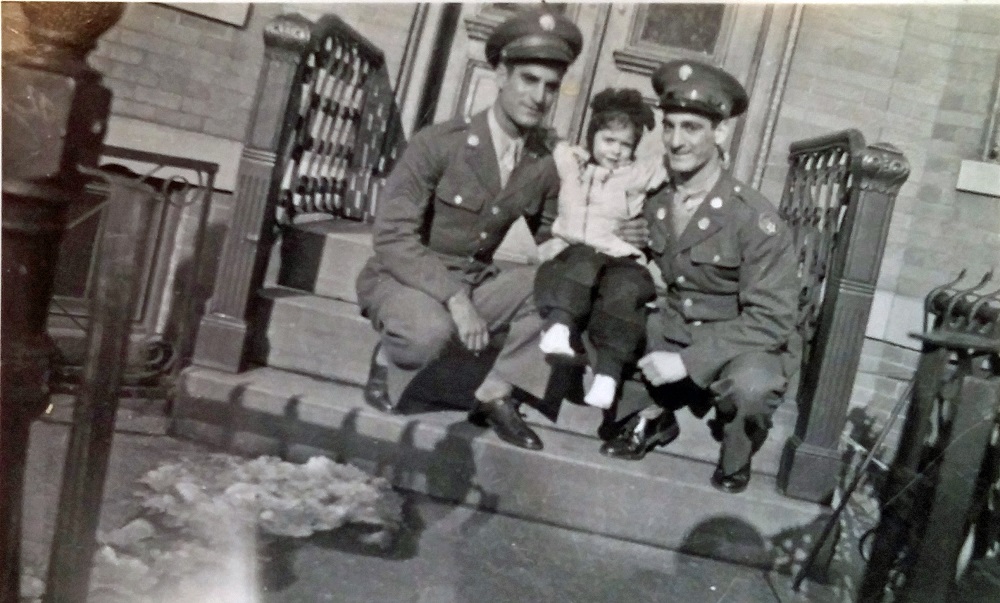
(479, 154)
(710, 216)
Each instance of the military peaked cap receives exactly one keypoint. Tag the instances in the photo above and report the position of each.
(535, 35)
(700, 88)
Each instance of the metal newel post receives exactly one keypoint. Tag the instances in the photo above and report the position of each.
(54, 115)
(119, 260)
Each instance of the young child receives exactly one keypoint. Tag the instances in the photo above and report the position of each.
(591, 279)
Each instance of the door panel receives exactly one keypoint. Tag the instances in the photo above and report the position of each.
(469, 85)
(640, 37)
(623, 44)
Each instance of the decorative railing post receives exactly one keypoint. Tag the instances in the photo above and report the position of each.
(120, 253)
(939, 506)
(54, 116)
(224, 330)
(811, 462)
(324, 132)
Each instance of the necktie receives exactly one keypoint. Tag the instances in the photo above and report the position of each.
(684, 208)
(508, 160)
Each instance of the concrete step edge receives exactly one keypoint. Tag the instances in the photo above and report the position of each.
(659, 502)
(261, 386)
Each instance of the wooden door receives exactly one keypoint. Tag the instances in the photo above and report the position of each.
(623, 44)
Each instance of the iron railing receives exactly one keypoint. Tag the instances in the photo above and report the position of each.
(169, 300)
(941, 501)
(838, 201)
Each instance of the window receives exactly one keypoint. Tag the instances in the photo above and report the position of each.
(694, 27)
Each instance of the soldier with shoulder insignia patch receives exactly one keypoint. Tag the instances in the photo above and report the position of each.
(445, 209)
(722, 326)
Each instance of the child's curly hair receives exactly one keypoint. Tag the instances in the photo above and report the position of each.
(619, 107)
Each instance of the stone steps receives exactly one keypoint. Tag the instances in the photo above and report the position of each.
(660, 501)
(305, 399)
(325, 257)
(314, 335)
(327, 338)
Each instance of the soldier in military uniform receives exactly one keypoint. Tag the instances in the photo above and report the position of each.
(448, 203)
(722, 326)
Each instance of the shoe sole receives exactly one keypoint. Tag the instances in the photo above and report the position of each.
(478, 419)
(562, 360)
(722, 488)
(518, 444)
(481, 419)
(663, 440)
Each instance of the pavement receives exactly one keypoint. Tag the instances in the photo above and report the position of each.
(445, 553)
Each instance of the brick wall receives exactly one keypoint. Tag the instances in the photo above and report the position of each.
(184, 84)
(181, 70)
(920, 78)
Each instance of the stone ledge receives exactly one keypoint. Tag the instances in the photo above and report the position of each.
(569, 483)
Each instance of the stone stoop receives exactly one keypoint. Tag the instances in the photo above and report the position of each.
(314, 327)
(665, 500)
(327, 338)
(305, 399)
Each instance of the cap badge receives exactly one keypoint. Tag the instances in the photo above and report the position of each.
(716, 203)
(685, 72)
(547, 22)
(472, 140)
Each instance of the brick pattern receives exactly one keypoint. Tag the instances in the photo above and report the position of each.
(181, 70)
(919, 77)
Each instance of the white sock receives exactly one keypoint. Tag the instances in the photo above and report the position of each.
(602, 392)
(556, 341)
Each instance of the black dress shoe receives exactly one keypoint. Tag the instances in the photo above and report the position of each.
(377, 387)
(502, 415)
(733, 483)
(640, 436)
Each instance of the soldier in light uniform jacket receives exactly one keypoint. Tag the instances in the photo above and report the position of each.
(721, 330)
(448, 203)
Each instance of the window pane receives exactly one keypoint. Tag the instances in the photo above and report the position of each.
(691, 26)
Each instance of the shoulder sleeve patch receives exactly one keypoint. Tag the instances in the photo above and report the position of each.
(767, 224)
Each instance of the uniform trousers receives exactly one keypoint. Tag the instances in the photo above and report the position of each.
(605, 295)
(745, 394)
(416, 328)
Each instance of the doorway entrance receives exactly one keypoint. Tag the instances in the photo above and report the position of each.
(623, 44)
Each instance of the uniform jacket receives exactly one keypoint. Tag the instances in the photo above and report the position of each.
(595, 200)
(443, 213)
(731, 277)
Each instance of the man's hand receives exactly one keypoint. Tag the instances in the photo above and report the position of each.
(663, 367)
(473, 331)
(634, 232)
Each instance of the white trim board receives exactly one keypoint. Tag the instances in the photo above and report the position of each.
(980, 177)
(143, 135)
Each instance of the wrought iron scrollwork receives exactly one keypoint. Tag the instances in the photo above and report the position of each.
(289, 32)
(941, 502)
(818, 190)
(884, 168)
(159, 355)
(344, 127)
